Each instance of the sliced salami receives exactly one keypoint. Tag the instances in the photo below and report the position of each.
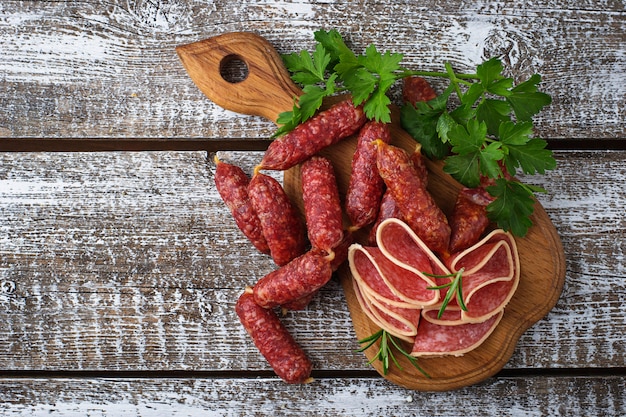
(439, 340)
(490, 277)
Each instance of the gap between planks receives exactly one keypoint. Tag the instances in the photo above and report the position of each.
(213, 145)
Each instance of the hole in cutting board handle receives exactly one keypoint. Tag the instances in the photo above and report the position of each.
(233, 69)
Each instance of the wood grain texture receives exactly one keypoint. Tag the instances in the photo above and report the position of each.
(130, 261)
(506, 397)
(93, 69)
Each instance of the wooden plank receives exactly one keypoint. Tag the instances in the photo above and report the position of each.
(109, 70)
(526, 396)
(130, 261)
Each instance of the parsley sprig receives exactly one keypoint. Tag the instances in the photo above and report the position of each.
(481, 124)
(385, 351)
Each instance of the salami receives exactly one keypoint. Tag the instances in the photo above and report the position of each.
(232, 185)
(280, 221)
(388, 210)
(416, 204)
(491, 275)
(322, 207)
(469, 218)
(308, 138)
(416, 89)
(273, 340)
(366, 187)
(299, 278)
(439, 340)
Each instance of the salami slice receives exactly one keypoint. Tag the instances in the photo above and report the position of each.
(439, 340)
(389, 282)
(490, 277)
(401, 244)
(398, 328)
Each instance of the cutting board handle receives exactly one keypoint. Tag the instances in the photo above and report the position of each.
(266, 90)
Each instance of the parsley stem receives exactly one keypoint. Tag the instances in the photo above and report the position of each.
(458, 77)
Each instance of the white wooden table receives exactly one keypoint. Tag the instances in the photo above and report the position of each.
(120, 266)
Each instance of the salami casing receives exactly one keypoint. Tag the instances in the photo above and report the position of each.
(469, 218)
(280, 221)
(273, 340)
(307, 139)
(322, 206)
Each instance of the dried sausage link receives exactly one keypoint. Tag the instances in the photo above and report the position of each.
(416, 204)
(366, 187)
(282, 225)
(469, 218)
(299, 278)
(322, 206)
(307, 139)
(273, 340)
(232, 185)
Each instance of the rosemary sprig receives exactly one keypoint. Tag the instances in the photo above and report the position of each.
(455, 286)
(385, 351)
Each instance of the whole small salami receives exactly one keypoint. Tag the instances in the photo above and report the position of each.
(308, 138)
(299, 278)
(282, 226)
(322, 207)
(416, 89)
(366, 187)
(419, 209)
(232, 185)
(273, 340)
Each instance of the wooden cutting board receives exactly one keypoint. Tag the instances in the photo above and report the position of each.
(266, 90)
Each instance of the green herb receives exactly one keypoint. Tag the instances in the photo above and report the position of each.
(385, 351)
(481, 124)
(455, 287)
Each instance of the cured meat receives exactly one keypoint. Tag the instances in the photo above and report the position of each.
(490, 277)
(299, 278)
(366, 187)
(322, 207)
(416, 204)
(282, 226)
(394, 280)
(232, 185)
(469, 218)
(416, 89)
(388, 207)
(388, 210)
(273, 340)
(308, 138)
(403, 246)
(380, 278)
(438, 340)
(402, 323)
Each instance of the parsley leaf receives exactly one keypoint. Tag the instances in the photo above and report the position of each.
(512, 207)
(480, 125)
